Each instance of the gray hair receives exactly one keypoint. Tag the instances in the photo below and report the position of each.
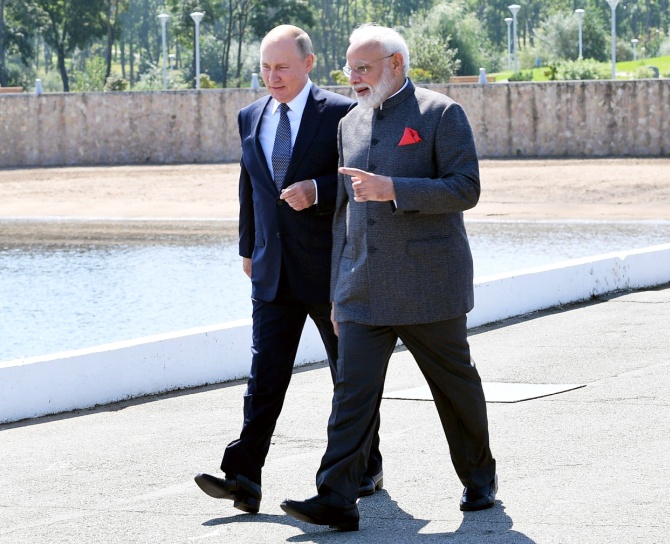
(388, 39)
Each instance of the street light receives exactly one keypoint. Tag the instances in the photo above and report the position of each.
(163, 17)
(613, 4)
(197, 17)
(514, 8)
(508, 20)
(634, 41)
(580, 14)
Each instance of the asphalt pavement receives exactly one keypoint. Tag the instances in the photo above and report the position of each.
(584, 466)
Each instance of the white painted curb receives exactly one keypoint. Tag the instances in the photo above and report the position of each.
(81, 379)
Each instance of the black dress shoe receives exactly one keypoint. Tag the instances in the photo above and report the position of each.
(370, 484)
(316, 510)
(245, 494)
(479, 499)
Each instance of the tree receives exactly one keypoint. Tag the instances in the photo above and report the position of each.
(70, 24)
(17, 30)
(460, 30)
(3, 70)
(432, 57)
(114, 9)
(183, 27)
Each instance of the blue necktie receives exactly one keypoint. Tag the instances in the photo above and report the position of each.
(281, 152)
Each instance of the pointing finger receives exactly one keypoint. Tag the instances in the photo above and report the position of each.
(352, 171)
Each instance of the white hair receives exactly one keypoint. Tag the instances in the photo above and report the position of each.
(388, 39)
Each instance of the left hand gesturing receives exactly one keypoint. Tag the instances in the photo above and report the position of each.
(368, 186)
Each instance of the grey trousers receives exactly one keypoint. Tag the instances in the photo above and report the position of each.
(442, 352)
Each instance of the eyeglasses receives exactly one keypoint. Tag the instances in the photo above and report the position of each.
(362, 69)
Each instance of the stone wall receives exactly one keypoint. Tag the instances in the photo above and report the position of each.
(552, 119)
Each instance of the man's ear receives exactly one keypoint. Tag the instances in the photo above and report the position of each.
(397, 62)
(309, 62)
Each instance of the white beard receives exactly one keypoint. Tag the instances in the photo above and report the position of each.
(378, 93)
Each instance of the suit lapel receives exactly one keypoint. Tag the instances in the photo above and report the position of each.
(256, 118)
(309, 124)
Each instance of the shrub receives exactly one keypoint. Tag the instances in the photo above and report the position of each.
(150, 80)
(582, 69)
(206, 82)
(521, 76)
(116, 83)
(338, 77)
(91, 78)
(420, 75)
(644, 72)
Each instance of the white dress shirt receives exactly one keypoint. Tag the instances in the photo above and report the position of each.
(270, 122)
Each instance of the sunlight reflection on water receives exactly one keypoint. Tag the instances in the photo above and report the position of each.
(59, 297)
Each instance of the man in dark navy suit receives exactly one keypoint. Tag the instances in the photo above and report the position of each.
(288, 186)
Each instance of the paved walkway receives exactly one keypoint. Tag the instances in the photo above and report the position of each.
(586, 466)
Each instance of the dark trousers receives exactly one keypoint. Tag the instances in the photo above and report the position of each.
(277, 327)
(442, 352)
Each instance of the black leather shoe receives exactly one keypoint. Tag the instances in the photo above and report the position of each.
(370, 484)
(316, 510)
(479, 499)
(245, 494)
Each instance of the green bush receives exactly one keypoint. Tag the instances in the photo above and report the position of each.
(338, 77)
(206, 82)
(91, 78)
(521, 76)
(116, 83)
(420, 75)
(582, 69)
(644, 72)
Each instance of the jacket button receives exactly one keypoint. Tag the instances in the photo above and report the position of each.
(375, 141)
(280, 202)
(279, 235)
(372, 167)
(380, 116)
(372, 249)
(371, 222)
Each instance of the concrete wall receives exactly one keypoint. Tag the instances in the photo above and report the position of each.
(553, 119)
(120, 128)
(80, 379)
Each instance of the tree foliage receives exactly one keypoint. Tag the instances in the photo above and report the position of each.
(445, 36)
(68, 25)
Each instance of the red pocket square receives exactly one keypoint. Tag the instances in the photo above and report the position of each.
(410, 137)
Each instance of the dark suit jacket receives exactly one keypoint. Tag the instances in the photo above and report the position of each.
(271, 232)
(408, 264)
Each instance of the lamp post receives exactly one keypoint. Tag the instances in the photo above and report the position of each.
(508, 20)
(580, 14)
(634, 41)
(514, 8)
(197, 17)
(163, 17)
(613, 4)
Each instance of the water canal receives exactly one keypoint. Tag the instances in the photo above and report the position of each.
(62, 296)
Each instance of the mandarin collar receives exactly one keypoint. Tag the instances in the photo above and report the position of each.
(399, 97)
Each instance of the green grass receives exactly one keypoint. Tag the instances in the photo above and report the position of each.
(628, 67)
(662, 63)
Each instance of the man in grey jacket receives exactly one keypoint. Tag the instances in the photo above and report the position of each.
(401, 268)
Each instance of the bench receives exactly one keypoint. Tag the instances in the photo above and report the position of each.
(11, 90)
(470, 79)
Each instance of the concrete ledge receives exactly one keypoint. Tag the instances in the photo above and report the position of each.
(517, 293)
(81, 379)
